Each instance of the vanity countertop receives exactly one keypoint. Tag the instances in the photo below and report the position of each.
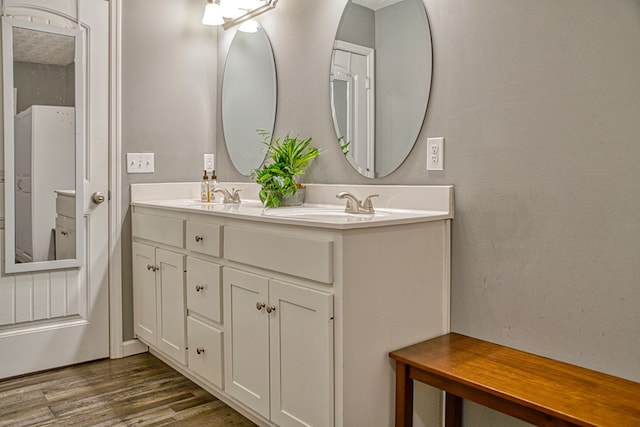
(415, 204)
(310, 215)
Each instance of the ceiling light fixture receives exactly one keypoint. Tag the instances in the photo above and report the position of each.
(232, 12)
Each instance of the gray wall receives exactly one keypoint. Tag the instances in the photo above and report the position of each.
(403, 62)
(358, 26)
(539, 103)
(169, 96)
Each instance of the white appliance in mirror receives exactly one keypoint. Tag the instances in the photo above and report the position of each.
(249, 95)
(380, 82)
(43, 145)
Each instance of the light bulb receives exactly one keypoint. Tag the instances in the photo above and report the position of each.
(229, 9)
(249, 26)
(212, 15)
(250, 4)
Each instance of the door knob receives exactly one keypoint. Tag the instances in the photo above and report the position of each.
(97, 197)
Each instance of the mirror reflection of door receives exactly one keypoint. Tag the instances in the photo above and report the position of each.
(353, 103)
(44, 101)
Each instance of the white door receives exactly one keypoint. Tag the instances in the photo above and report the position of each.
(353, 103)
(60, 317)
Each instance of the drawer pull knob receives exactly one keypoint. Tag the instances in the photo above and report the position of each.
(260, 305)
(271, 308)
(199, 288)
(200, 350)
(64, 233)
(199, 238)
(152, 267)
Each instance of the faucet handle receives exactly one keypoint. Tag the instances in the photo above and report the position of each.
(367, 205)
(353, 205)
(235, 195)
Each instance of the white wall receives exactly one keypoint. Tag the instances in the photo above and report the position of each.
(539, 103)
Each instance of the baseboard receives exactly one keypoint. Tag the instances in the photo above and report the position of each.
(131, 347)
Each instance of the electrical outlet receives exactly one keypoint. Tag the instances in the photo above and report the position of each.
(140, 163)
(209, 162)
(435, 154)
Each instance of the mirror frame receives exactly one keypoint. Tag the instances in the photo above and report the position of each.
(8, 24)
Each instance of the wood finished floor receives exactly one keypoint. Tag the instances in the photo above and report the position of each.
(135, 391)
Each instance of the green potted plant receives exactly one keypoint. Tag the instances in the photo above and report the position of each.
(285, 161)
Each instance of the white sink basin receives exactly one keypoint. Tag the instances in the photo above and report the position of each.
(316, 213)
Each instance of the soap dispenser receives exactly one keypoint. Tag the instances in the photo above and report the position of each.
(205, 195)
(212, 186)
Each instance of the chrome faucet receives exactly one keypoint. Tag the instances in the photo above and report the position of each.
(356, 206)
(228, 197)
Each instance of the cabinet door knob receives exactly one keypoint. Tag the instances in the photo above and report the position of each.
(199, 238)
(152, 267)
(271, 308)
(260, 305)
(64, 233)
(199, 288)
(200, 350)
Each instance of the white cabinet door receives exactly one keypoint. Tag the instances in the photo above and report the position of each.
(246, 340)
(279, 349)
(144, 293)
(301, 355)
(172, 316)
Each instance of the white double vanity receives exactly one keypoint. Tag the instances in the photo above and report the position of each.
(288, 314)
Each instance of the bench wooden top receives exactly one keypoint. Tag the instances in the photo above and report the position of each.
(455, 362)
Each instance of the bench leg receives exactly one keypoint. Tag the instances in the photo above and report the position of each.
(452, 410)
(404, 396)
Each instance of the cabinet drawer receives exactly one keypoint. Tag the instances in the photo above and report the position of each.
(66, 223)
(205, 351)
(295, 255)
(169, 231)
(203, 288)
(65, 238)
(66, 205)
(204, 238)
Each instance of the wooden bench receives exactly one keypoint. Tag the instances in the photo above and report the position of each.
(535, 389)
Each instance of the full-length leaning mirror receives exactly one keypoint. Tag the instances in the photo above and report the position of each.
(43, 146)
(249, 94)
(380, 82)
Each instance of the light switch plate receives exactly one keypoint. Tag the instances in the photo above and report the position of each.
(435, 154)
(140, 163)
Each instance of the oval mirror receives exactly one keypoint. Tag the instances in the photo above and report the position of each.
(43, 145)
(380, 82)
(248, 98)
